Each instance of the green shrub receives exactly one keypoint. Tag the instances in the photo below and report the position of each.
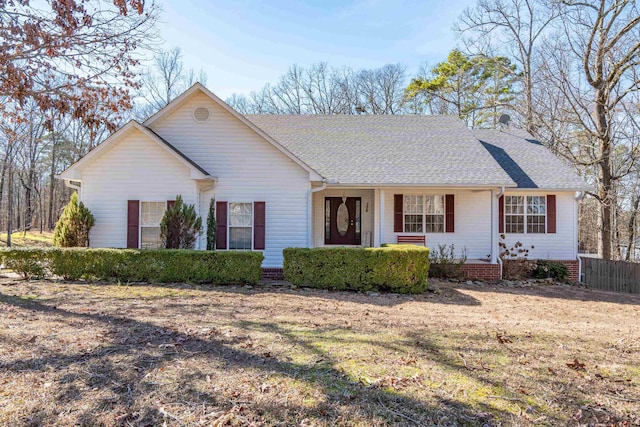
(211, 226)
(131, 265)
(550, 269)
(28, 263)
(72, 229)
(180, 226)
(396, 268)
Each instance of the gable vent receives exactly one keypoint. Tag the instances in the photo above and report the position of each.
(201, 114)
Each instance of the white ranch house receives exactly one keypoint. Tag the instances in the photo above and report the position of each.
(352, 180)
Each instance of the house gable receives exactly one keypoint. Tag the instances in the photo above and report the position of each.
(135, 167)
(218, 118)
(74, 172)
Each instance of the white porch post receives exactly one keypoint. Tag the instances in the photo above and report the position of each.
(382, 219)
(376, 217)
(494, 227)
(310, 217)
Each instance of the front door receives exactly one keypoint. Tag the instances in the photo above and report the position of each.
(342, 221)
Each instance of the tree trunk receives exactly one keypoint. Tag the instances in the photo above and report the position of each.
(9, 206)
(52, 181)
(631, 229)
(605, 188)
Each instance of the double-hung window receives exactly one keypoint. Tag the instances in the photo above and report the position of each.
(240, 226)
(151, 214)
(525, 214)
(423, 213)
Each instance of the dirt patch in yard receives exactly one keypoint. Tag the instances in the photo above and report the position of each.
(81, 354)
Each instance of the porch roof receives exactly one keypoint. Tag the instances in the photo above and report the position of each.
(428, 150)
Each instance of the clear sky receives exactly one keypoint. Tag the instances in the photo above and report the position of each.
(244, 44)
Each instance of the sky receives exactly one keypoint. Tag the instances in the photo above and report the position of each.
(243, 44)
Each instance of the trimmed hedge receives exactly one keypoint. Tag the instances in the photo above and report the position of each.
(130, 265)
(395, 268)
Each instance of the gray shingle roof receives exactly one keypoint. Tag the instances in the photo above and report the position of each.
(429, 150)
(528, 162)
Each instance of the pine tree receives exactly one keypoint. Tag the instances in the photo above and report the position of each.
(72, 229)
(180, 226)
(211, 226)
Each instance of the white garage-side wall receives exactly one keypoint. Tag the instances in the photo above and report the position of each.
(472, 221)
(561, 245)
(248, 169)
(133, 168)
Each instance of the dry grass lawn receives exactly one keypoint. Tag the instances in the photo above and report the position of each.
(79, 354)
(29, 239)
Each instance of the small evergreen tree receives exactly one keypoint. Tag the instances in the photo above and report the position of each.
(211, 226)
(180, 226)
(72, 229)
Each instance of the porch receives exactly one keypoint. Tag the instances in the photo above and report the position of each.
(370, 217)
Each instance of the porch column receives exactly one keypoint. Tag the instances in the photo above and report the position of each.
(382, 219)
(494, 227)
(376, 217)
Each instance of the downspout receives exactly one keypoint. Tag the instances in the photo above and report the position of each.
(310, 212)
(494, 236)
(578, 197)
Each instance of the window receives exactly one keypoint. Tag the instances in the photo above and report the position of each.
(536, 214)
(413, 210)
(151, 214)
(240, 226)
(434, 221)
(423, 214)
(525, 213)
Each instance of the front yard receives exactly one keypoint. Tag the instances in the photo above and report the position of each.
(78, 354)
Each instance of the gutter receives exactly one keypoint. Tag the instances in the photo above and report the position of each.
(495, 251)
(310, 211)
(578, 197)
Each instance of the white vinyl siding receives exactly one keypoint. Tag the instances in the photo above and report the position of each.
(134, 168)
(561, 245)
(248, 169)
(472, 220)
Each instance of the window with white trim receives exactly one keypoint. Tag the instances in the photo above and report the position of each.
(423, 213)
(525, 213)
(241, 226)
(151, 214)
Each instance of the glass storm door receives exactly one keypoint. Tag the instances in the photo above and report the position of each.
(342, 224)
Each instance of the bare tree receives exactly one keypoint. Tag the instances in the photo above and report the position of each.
(320, 89)
(514, 29)
(594, 67)
(164, 81)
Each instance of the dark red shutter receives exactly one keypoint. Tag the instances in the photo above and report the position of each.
(133, 223)
(221, 225)
(450, 220)
(397, 213)
(170, 203)
(259, 216)
(501, 214)
(551, 213)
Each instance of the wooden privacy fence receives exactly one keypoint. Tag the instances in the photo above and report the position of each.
(616, 276)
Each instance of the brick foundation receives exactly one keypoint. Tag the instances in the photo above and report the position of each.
(273, 273)
(486, 271)
(481, 271)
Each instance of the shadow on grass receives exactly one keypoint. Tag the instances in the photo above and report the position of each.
(562, 291)
(139, 341)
